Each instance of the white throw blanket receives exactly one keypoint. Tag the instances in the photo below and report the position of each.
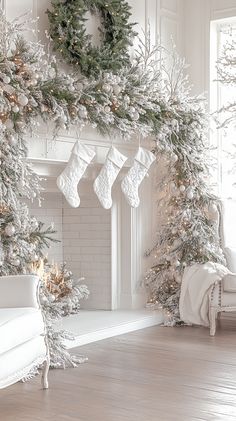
(195, 289)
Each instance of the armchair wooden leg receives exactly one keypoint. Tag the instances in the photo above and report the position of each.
(45, 370)
(212, 316)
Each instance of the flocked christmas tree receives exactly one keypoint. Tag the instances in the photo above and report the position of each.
(187, 210)
(26, 90)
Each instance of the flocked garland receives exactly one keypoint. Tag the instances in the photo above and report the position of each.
(68, 31)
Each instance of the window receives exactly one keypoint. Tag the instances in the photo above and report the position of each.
(224, 140)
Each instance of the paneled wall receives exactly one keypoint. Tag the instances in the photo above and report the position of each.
(196, 44)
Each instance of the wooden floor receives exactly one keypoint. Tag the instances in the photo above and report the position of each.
(155, 374)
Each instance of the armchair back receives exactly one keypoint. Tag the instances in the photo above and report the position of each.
(19, 291)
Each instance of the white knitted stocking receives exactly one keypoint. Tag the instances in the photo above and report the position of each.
(104, 181)
(67, 182)
(130, 184)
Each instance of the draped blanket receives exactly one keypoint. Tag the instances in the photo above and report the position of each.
(195, 289)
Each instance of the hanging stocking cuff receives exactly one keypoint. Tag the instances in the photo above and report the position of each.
(145, 157)
(116, 157)
(83, 151)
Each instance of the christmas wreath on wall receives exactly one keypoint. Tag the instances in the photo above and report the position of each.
(68, 31)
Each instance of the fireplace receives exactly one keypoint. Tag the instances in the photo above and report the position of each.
(105, 246)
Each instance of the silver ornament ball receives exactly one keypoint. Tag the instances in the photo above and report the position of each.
(10, 230)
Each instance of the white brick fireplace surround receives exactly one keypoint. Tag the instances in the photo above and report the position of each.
(107, 247)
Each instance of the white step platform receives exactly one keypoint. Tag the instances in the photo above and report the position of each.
(95, 325)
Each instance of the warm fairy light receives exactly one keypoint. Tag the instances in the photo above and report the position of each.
(38, 268)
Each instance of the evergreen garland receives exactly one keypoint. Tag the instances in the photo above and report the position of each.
(67, 29)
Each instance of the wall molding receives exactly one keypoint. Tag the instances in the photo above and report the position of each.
(3, 5)
(223, 13)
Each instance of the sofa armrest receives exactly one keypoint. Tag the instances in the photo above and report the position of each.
(19, 291)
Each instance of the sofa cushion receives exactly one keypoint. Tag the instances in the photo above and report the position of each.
(230, 255)
(18, 325)
(229, 283)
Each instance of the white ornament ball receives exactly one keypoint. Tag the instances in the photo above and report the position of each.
(126, 99)
(15, 109)
(106, 87)
(6, 79)
(33, 194)
(79, 86)
(35, 258)
(182, 188)
(83, 113)
(174, 157)
(116, 89)
(15, 262)
(132, 110)
(51, 298)
(33, 82)
(190, 194)
(23, 100)
(172, 185)
(135, 116)
(107, 109)
(9, 124)
(12, 139)
(34, 223)
(9, 89)
(10, 230)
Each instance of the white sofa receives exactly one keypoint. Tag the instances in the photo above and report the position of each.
(223, 293)
(23, 343)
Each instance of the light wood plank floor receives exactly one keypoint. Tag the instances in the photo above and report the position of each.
(156, 374)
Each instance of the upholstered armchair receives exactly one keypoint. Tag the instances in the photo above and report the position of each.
(223, 292)
(23, 343)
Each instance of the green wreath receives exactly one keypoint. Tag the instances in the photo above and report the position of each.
(67, 29)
